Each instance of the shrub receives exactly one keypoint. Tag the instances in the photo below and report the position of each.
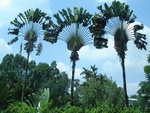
(73, 109)
(106, 108)
(20, 107)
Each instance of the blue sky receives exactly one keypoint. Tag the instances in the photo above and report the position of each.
(105, 59)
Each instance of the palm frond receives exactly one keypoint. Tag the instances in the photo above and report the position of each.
(12, 41)
(31, 30)
(76, 37)
(114, 25)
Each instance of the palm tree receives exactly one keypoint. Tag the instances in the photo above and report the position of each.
(72, 28)
(86, 73)
(118, 21)
(30, 26)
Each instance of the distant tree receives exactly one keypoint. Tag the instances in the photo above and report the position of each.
(117, 20)
(144, 91)
(48, 76)
(5, 94)
(72, 28)
(6, 65)
(18, 65)
(98, 89)
(11, 71)
(29, 25)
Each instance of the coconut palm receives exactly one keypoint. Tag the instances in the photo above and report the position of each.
(72, 28)
(118, 21)
(29, 26)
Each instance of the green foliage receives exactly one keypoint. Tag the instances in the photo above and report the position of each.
(144, 91)
(20, 107)
(73, 109)
(98, 30)
(107, 108)
(97, 94)
(5, 95)
(131, 110)
(6, 65)
(102, 108)
(39, 77)
(44, 101)
(98, 88)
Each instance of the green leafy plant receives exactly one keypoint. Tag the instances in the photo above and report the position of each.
(73, 109)
(20, 107)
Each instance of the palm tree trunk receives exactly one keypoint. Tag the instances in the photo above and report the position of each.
(124, 82)
(24, 80)
(72, 81)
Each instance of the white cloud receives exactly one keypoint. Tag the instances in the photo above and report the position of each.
(4, 4)
(91, 53)
(111, 67)
(62, 67)
(132, 88)
(4, 48)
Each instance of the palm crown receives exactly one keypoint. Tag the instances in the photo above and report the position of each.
(71, 28)
(30, 26)
(117, 20)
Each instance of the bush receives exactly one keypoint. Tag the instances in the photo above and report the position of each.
(20, 107)
(102, 108)
(73, 109)
(131, 110)
(106, 108)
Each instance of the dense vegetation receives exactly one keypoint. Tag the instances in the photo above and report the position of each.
(51, 88)
(27, 87)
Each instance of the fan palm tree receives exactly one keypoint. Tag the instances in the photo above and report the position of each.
(30, 26)
(118, 21)
(72, 28)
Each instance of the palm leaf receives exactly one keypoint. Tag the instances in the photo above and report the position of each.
(22, 18)
(70, 15)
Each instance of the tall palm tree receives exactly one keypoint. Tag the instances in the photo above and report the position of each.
(72, 28)
(30, 26)
(117, 20)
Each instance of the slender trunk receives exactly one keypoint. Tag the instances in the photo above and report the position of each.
(124, 83)
(72, 81)
(24, 80)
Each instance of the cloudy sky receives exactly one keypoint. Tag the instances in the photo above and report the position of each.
(106, 60)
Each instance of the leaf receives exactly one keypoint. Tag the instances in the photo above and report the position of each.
(66, 16)
(108, 13)
(76, 13)
(59, 21)
(70, 15)
(12, 41)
